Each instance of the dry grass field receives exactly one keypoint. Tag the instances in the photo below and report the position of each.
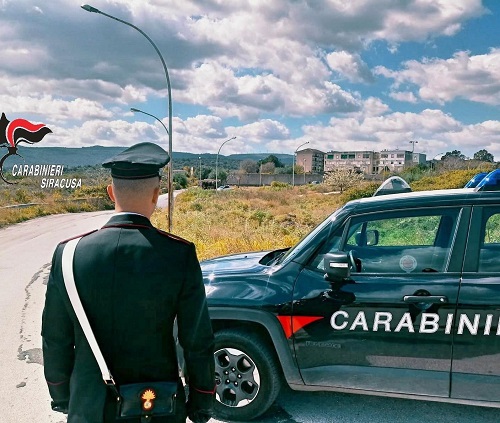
(25, 200)
(247, 219)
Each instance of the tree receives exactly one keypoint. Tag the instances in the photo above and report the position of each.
(180, 180)
(221, 175)
(268, 167)
(453, 160)
(414, 173)
(342, 178)
(206, 171)
(453, 154)
(283, 170)
(249, 166)
(298, 169)
(484, 156)
(271, 159)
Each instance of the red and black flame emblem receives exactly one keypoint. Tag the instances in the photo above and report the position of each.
(16, 131)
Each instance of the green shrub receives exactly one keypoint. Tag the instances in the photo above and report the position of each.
(365, 190)
(260, 216)
(180, 180)
(22, 196)
(196, 206)
(280, 185)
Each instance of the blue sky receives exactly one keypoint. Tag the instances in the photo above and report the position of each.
(341, 74)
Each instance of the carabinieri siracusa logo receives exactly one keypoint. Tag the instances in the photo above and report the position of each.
(16, 131)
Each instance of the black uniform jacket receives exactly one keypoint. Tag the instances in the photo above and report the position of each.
(133, 281)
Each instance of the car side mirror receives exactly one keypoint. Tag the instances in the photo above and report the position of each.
(372, 237)
(366, 238)
(337, 266)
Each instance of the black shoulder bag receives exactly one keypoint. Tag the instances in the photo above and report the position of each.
(143, 400)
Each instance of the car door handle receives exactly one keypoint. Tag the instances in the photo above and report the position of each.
(433, 299)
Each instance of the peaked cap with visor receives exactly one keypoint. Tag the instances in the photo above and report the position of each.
(141, 161)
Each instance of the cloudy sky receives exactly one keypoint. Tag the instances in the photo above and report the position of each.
(340, 74)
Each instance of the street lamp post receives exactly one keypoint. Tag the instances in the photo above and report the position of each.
(199, 158)
(89, 8)
(293, 164)
(413, 146)
(217, 162)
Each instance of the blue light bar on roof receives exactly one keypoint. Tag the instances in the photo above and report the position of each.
(491, 182)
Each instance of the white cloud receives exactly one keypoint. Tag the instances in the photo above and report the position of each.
(475, 78)
(248, 96)
(407, 96)
(423, 19)
(112, 133)
(203, 126)
(205, 133)
(350, 66)
(55, 110)
(264, 130)
(374, 107)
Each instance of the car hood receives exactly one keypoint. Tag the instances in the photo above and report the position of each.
(234, 263)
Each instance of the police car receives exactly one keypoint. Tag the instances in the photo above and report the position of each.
(394, 295)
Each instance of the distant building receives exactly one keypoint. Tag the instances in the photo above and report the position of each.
(312, 160)
(373, 162)
(395, 160)
(419, 158)
(363, 161)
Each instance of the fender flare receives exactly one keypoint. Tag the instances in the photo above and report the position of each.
(273, 327)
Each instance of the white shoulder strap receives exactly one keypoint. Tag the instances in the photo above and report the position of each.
(69, 282)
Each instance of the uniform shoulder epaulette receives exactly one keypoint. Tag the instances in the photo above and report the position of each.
(78, 236)
(177, 238)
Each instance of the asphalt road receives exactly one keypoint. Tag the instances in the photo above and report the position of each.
(24, 267)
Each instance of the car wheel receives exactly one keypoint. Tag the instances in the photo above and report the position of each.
(246, 374)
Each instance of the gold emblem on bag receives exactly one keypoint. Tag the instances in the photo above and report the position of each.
(148, 396)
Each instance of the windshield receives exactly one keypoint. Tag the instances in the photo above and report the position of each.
(294, 251)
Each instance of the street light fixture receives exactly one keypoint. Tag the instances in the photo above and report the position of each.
(413, 146)
(293, 165)
(217, 162)
(133, 109)
(89, 8)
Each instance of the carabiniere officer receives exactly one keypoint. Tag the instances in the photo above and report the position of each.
(134, 280)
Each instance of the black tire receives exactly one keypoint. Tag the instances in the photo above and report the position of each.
(247, 375)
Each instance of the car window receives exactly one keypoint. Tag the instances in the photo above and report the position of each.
(397, 242)
(402, 231)
(490, 249)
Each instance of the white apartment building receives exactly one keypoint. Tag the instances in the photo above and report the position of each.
(373, 162)
(364, 161)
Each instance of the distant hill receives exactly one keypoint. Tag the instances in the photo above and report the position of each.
(92, 156)
(69, 157)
